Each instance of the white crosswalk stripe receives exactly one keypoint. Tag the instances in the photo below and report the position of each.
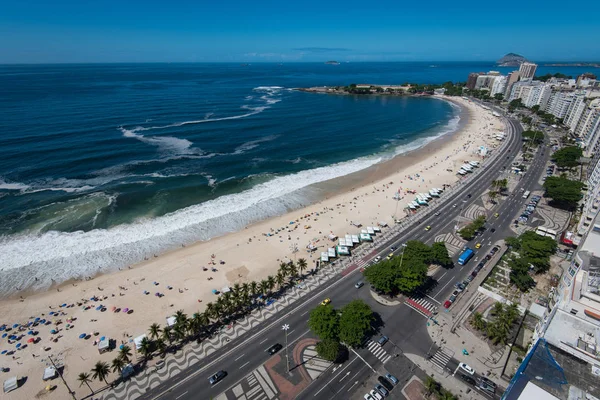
(361, 263)
(378, 351)
(440, 359)
(425, 304)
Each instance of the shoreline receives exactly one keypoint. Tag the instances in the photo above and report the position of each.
(364, 196)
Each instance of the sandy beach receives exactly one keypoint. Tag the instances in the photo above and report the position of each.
(248, 256)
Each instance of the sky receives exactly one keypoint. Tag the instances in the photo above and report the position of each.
(77, 31)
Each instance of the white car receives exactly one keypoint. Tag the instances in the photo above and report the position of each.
(377, 259)
(376, 395)
(368, 397)
(466, 368)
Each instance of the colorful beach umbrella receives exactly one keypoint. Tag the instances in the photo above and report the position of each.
(15, 325)
(53, 331)
(3, 352)
(125, 309)
(82, 336)
(18, 345)
(31, 340)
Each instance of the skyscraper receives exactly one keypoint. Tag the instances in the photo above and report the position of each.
(513, 77)
(472, 80)
(527, 70)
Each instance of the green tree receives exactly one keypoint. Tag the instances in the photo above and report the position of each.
(477, 321)
(431, 385)
(161, 345)
(324, 322)
(280, 279)
(329, 349)
(412, 275)
(417, 250)
(513, 242)
(125, 353)
(513, 105)
(499, 96)
(154, 330)
(519, 274)
(84, 377)
(302, 265)
(439, 254)
(100, 371)
(568, 157)
(535, 137)
(468, 232)
(565, 194)
(355, 322)
(146, 347)
(167, 335)
(118, 364)
(382, 276)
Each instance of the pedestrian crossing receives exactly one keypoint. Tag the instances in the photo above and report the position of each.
(378, 351)
(361, 263)
(422, 305)
(314, 365)
(453, 244)
(440, 359)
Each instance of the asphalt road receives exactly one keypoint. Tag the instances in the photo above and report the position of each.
(405, 327)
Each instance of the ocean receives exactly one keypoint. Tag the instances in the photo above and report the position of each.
(104, 165)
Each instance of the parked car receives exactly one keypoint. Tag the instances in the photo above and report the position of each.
(487, 388)
(470, 278)
(452, 298)
(382, 390)
(368, 397)
(459, 286)
(376, 395)
(468, 379)
(494, 250)
(382, 340)
(487, 381)
(378, 258)
(466, 368)
(447, 304)
(274, 349)
(386, 383)
(217, 377)
(392, 378)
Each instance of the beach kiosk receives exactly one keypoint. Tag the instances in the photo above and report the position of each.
(11, 384)
(365, 237)
(370, 230)
(332, 237)
(324, 256)
(355, 239)
(49, 373)
(343, 250)
(104, 345)
(331, 252)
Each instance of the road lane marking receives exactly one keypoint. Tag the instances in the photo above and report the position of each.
(335, 377)
(181, 395)
(304, 313)
(239, 357)
(244, 365)
(443, 288)
(264, 341)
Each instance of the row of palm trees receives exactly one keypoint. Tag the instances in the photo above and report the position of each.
(498, 330)
(228, 307)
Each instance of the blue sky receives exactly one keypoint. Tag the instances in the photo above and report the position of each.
(285, 31)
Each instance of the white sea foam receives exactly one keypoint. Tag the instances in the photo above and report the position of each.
(61, 256)
(244, 147)
(12, 185)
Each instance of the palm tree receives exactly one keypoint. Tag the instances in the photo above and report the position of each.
(431, 385)
(154, 330)
(264, 287)
(161, 346)
(125, 353)
(101, 371)
(270, 283)
(293, 270)
(236, 289)
(280, 279)
(512, 312)
(492, 195)
(478, 321)
(145, 347)
(180, 318)
(283, 268)
(254, 288)
(302, 265)
(179, 332)
(118, 364)
(166, 334)
(498, 309)
(245, 288)
(84, 377)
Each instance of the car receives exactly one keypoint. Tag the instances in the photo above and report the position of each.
(494, 250)
(487, 388)
(378, 258)
(496, 215)
(447, 304)
(478, 245)
(485, 380)
(274, 349)
(459, 286)
(376, 395)
(467, 379)
(452, 298)
(392, 378)
(428, 227)
(493, 230)
(385, 383)
(382, 390)
(382, 340)
(487, 258)
(393, 248)
(474, 273)
(466, 368)
(470, 278)
(454, 206)
(359, 284)
(389, 257)
(456, 292)
(216, 378)
(368, 397)
(437, 213)
(469, 196)
(326, 301)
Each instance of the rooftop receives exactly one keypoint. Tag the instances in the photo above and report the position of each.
(575, 336)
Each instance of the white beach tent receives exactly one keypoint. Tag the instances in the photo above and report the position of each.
(332, 237)
(355, 239)
(366, 237)
(343, 250)
(49, 373)
(370, 230)
(11, 384)
(138, 341)
(171, 320)
(324, 256)
(383, 224)
(331, 252)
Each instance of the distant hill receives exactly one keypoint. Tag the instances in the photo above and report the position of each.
(511, 60)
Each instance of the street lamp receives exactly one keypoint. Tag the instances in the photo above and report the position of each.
(286, 327)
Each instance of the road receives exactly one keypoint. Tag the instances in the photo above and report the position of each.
(244, 355)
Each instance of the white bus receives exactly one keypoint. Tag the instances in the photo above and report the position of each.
(546, 232)
(526, 194)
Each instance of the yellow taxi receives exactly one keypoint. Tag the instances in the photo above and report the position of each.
(478, 245)
(389, 257)
(496, 215)
(428, 227)
(326, 301)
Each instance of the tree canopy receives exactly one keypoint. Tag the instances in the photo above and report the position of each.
(323, 321)
(546, 77)
(536, 137)
(440, 254)
(514, 104)
(533, 251)
(567, 157)
(564, 193)
(329, 350)
(468, 232)
(355, 323)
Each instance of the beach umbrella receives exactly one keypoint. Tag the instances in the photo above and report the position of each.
(102, 338)
(82, 336)
(37, 319)
(63, 305)
(3, 352)
(15, 325)
(99, 307)
(125, 310)
(31, 340)
(30, 333)
(18, 345)
(53, 331)
(113, 308)
(4, 335)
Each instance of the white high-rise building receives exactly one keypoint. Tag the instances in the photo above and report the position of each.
(588, 128)
(559, 103)
(499, 85)
(575, 110)
(527, 70)
(531, 93)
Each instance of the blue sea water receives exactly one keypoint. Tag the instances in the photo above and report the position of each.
(103, 165)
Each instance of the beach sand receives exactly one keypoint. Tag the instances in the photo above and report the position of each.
(248, 254)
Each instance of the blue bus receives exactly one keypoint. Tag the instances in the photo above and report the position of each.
(465, 256)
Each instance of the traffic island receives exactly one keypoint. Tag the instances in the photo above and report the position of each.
(384, 301)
